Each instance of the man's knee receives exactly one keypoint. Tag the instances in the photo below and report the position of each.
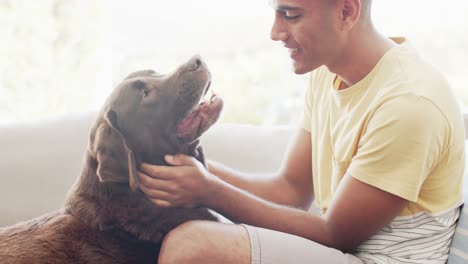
(195, 241)
(184, 243)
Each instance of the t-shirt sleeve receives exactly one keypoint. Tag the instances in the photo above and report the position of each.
(306, 117)
(402, 142)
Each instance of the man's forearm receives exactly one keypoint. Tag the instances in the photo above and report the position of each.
(243, 207)
(267, 186)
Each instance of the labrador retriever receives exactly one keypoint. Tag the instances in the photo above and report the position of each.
(106, 218)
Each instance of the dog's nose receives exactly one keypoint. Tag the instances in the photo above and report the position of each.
(195, 62)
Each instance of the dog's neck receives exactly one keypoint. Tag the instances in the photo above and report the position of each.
(105, 206)
(156, 156)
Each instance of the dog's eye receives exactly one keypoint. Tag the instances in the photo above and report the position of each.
(141, 86)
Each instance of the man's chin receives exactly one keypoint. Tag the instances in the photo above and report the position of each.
(300, 70)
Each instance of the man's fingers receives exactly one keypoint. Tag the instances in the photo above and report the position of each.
(168, 172)
(154, 183)
(180, 160)
(161, 203)
(163, 199)
(156, 194)
(154, 171)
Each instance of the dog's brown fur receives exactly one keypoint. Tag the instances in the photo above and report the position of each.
(106, 219)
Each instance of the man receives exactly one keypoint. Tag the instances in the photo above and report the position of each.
(380, 151)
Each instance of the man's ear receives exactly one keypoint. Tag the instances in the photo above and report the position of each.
(350, 13)
(116, 161)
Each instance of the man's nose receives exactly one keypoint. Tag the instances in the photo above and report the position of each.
(278, 32)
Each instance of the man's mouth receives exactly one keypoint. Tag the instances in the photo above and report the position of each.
(293, 52)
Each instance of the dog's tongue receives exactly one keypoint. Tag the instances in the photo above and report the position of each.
(189, 124)
(199, 120)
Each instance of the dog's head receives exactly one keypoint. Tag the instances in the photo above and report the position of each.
(149, 115)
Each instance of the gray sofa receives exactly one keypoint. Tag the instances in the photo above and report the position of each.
(40, 160)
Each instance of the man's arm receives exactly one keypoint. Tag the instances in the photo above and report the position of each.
(357, 210)
(291, 185)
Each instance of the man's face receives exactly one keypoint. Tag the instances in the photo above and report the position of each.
(309, 29)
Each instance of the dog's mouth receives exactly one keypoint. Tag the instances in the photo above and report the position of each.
(201, 117)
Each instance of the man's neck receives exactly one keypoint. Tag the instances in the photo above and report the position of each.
(360, 57)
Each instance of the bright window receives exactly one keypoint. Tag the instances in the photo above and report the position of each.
(60, 57)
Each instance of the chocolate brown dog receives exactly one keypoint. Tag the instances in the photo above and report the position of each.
(106, 218)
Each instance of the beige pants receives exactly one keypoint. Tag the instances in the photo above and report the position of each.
(273, 247)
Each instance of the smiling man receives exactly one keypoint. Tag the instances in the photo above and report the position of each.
(380, 151)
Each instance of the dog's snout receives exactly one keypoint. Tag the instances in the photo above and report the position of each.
(195, 63)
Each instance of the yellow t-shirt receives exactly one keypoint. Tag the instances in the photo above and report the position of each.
(399, 129)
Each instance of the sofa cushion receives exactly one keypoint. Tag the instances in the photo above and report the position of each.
(39, 162)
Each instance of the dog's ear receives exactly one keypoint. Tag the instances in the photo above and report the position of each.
(116, 161)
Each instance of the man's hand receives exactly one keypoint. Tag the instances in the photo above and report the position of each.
(185, 184)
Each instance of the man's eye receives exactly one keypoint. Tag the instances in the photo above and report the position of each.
(290, 15)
